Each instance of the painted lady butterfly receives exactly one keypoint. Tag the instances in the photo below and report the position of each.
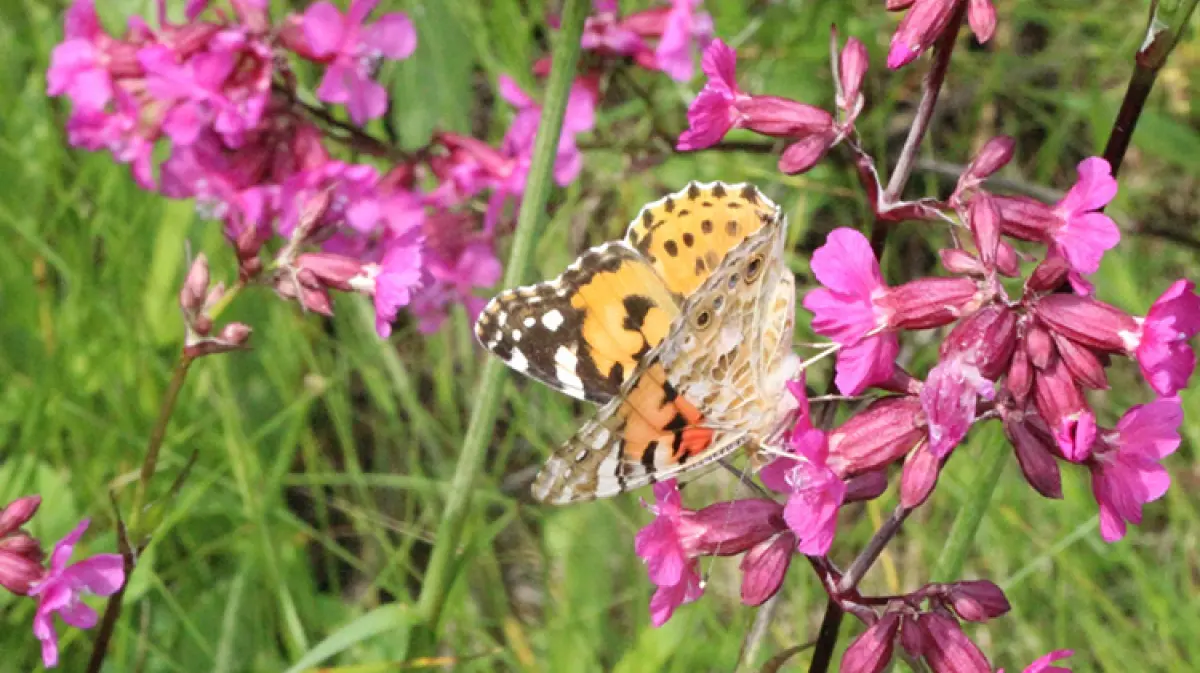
(682, 332)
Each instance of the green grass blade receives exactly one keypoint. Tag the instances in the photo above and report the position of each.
(483, 416)
(992, 460)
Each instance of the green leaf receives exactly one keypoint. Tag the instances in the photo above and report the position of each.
(394, 619)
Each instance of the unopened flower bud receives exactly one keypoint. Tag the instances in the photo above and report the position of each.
(949, 650)
(901, 382)
(18, 572)
(1056, 395)
(957, 260)
(805, 153)
(1020, 376)
(1007, 263)
(876, 436)
(929, 302)
(18, 512)
(764, 566)
(872, 651)
(1039, 345)
(913, 635)
(851, 71)
(1049, 275)
(1033, 446)
(195, 286)
(986, 338)
(1082, 362)
(993, 156)
(919, 476)
(1087, 321)
(22, 544)
(985, 225)
(235, 334)
(201, 325)
(977, 600)
(981, 17)
(867, 486)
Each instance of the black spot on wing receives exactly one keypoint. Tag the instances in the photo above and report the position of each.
(693, 191)
(636, 308)
(718, 191)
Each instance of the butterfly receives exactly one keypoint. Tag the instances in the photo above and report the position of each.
(681, 333)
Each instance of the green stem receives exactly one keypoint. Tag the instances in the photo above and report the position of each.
(443, 559)
(970, 515)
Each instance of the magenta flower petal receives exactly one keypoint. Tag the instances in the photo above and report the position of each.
(1162, 351)
(764, 567)
(869, 361)
(391, 35)
(1043, 663)
(325, 28)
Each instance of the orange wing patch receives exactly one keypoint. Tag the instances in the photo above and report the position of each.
(686, 235)
(626, 311)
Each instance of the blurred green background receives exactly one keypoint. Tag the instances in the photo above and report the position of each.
(325, 454)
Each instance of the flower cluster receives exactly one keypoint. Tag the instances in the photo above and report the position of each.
(58, 587)
(661, 38)
(1022, 341)
(218, 90)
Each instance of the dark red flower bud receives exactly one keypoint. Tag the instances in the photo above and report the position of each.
(1083, 363)
(235, 334)
(977, 600)
(919, 476)
(18, 512)
(1049, 275)
(867, 486)
(1088, 321)
(1034, 447)
(764, 567)
(1039, 345)
(986, 338)
(1020, 376)
(930, 302)
(22, 544)
(957, 260)
(913, 636)
(18, 572)
(1056, 395)
(877, 436)
(872, 651)
(901, 382)
(805, 153)
(949, 650)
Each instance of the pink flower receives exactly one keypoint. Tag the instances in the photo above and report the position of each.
(518, 141)
(845, 311)
(722, 106)
(79, 67)
(1125, 464)
(456, 262)
(1162, 348)
(351, 50)
(1043, 663)
(604, 32)
(949, 398)
(121, 132)
(1085, 233)
(392, 281)
(928, 19)
(685, 27)
(660, 545)
(63, 585)
(815, 492)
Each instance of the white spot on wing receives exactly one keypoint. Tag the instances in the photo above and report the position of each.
(516, 335)
(530, 321)
(552, 320)
(517, 361)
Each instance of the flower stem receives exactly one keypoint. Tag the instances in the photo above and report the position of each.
(112, 609)
(1162, 34)
(930, 90)
(444, 557)
(962, 533)
(874, 548)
